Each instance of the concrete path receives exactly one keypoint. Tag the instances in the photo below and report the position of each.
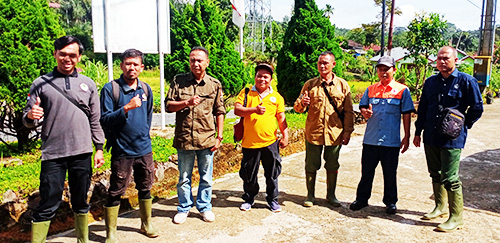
(480, 173)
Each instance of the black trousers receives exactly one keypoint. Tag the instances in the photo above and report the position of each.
(388, 158)
(271, 161)
(52, 177)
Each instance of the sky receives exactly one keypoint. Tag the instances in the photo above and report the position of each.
(465, 14)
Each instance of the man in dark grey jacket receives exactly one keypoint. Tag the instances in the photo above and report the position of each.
(68, 130)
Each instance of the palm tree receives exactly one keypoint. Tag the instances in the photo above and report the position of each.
(328, 10)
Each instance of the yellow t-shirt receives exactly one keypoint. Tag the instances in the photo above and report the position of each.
(260, 130)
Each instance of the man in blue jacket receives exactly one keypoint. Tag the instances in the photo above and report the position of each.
(448, 89)
(126, 113)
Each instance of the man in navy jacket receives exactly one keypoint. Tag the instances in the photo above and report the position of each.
(128, 120)
(448, 89)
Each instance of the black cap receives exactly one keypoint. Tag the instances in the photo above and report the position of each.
(266, 66)
(386, 61)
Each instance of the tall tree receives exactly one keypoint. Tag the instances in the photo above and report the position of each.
(328, 10)
(308, 34)
(202, 24)
(425, 37)
(27, 31)
(76, 20)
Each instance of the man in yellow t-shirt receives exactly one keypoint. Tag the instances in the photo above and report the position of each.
(263, 114)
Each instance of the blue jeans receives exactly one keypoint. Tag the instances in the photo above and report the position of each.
(205, 168)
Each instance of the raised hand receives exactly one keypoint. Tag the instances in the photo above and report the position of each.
(133, 103)
(36, 112)
(195, 100)
(260, 109)
(306, 100)
(367, 113)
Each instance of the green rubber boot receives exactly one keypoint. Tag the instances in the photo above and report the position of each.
(331, 184)
(311, 185)
(146, 225)
(456, 204)
(110, 218)
(82, 227)
(39, 231)
(440, 200)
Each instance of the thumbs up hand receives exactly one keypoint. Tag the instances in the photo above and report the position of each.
(306, 100)
(133, 103)
(367, 113)
(36, 112)
(260, 109)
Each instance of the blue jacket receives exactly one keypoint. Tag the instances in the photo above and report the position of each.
(130, 130)
(459, 91)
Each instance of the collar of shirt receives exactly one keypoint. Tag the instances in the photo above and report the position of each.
(331, 81)
(126, 87)
(263, 95)
(203, 80)
(59, 74)
(453, 74)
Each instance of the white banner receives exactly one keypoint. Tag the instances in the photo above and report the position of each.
(132, 24)
(238, 12)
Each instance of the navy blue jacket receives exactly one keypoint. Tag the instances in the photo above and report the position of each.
(131, 129)
(459, 91)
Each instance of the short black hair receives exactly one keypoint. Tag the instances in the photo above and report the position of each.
(132, 53)
(64, 41)
(327, 53)
(199, 48)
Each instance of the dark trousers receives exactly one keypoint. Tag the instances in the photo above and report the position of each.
(121, 171)
(271, 161)
(388, 158)
(52, 177)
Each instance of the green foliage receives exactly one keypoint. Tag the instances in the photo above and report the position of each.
(308, 34)
(425, 37)
(27, 31)
(76, 20)
(95, 70)
(466, 68)
(495, 78)
(162, 148)
(203, 25)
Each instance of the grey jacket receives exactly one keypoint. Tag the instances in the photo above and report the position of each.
(66, 129)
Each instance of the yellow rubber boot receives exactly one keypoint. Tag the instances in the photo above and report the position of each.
(110, 218)
(39, 231)
(456, 204)
(311, 185)
(82, 227)
(440, 200)
(146, 224)
(331, 184)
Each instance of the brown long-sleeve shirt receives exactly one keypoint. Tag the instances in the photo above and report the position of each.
(323, 125)
(195, 125)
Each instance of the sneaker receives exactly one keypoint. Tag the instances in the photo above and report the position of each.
(274, 206)
(208, 216)
(246, 206)
(180, 218)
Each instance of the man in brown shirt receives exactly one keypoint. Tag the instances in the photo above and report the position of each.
(324, 127)
(196, 98)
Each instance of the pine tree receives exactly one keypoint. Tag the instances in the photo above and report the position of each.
(308, 34)
(202, 24)
(27, 31)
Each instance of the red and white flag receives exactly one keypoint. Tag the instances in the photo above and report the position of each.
(238, 12)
